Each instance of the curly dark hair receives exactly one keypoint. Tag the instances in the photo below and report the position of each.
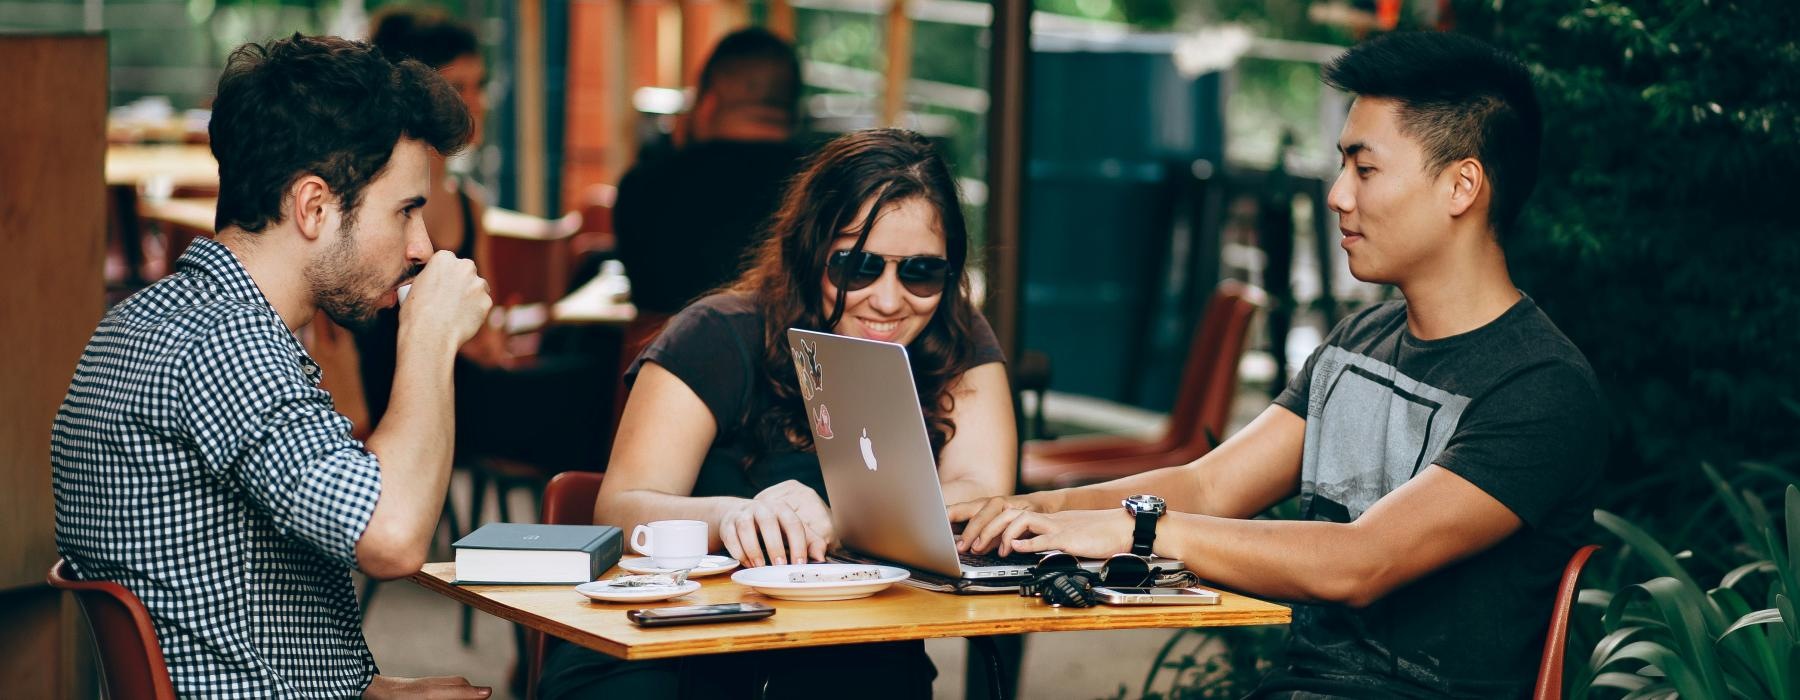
(323, 106)
(887, 167)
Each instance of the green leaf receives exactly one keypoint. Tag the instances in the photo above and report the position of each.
(1661, 562)
(1594, 597)
(1740, 516)
(1685, 610)
(1685, 680)
(1609, 644)
(1622, 681)
(1748, 655)
(1737, 575)
(1788, 574)
(1786, 606)
(1760, 617)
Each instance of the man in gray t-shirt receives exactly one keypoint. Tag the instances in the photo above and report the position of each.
(1444, 447)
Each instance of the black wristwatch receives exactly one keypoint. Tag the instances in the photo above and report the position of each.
(1146, 509)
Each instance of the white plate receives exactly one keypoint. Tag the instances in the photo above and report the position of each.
(776, 582)
(600, 590)
(711, 564)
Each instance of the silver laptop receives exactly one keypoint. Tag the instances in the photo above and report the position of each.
(876, 456)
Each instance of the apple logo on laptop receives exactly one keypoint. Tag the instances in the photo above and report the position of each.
(868, 449)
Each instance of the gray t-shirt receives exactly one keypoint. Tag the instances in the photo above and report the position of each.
(1513, 408)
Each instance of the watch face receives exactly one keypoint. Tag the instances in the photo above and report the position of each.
(1145, 504)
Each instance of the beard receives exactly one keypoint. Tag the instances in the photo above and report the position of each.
(344, 287)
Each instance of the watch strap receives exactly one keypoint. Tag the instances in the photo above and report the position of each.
(1144, 535)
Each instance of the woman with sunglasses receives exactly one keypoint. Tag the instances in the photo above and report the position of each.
(869, 242)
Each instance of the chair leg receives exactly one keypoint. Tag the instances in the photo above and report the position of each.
(452, 526)
(501, 488)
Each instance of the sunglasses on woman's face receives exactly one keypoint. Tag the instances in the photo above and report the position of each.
(922, 275)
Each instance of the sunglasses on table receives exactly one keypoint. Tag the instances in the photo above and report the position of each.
(1124, 570)
(922, 275)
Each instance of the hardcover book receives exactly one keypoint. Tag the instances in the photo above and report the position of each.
(519, 553)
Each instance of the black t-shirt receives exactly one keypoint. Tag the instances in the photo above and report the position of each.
(715, 346)
(685, 222)
(1513, 408)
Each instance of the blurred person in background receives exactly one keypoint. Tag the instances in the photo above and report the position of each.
(684, 221)
(539, 411)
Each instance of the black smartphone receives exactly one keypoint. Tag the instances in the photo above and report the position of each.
(696, 614)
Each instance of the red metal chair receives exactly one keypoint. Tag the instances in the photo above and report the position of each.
(1202, 406)
(568, 500)
(1556, 641)
(130, 656)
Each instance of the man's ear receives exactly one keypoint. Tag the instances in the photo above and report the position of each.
(313, 204)
(1466, 180)
(702, 116)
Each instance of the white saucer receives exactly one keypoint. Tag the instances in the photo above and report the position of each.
(709, 565)
(600, 590)
(775, 582)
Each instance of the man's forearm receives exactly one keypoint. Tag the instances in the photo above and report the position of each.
(1178, 486)
(414, 442)
(1288, 560)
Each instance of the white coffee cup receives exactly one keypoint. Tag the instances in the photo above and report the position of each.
(671, 544)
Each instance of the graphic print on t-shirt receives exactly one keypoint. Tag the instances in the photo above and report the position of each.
(1369, 429)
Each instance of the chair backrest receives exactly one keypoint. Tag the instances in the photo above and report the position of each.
(1209, 377)
(1550, 680)
(639, 333)
(568, 500)
(129, 653)
(525, 270)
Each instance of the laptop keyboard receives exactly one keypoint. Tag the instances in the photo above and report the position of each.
(983, 560)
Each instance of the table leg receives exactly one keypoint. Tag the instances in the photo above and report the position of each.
(987, 658)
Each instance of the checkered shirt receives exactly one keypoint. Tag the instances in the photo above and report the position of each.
(197, 462)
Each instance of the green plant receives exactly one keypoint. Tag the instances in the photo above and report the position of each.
(1669, 637)
(1658, 238)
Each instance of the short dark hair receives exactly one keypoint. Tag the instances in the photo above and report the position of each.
(753, 67)
(428, 35)
(1461, 98)
(324, 106)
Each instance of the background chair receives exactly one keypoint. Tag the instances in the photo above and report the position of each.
(130, 656)
(1209, 380)
(1556, 641)
(568, 500)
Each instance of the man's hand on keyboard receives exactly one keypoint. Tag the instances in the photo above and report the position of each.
(986, 518)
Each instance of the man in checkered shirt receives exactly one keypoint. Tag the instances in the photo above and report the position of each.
(198, 463)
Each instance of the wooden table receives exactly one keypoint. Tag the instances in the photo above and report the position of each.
(180, 164)
(594, 303)
(899, 613)
(193, 213)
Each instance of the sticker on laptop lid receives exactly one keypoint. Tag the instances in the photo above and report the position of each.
(813, 371)
(822, 423)
(801, 374)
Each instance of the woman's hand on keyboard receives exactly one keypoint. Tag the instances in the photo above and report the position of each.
(785, 523)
